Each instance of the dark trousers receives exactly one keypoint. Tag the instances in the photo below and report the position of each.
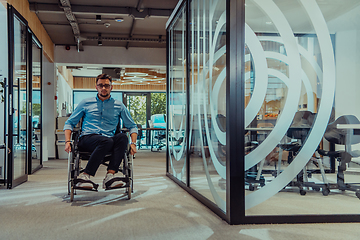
(100, 146)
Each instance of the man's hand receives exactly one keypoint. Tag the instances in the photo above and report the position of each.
(67, 133)
(67, 147)
(133, 137)
(133, 149)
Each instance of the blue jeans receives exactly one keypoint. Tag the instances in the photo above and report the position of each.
(100, 146)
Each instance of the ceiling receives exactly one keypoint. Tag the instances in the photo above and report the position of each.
(130, 23)
(108, 23)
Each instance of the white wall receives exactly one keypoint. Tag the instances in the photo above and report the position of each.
(4, 74)
(64, 94)
(112, 55)
(49, 108)
(347, 96)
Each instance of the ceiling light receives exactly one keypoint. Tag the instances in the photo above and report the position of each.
(138, 74)
(100, 43)
(98, 18)
(107, 24)
(119, 19)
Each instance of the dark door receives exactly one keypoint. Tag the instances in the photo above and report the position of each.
(17, 100)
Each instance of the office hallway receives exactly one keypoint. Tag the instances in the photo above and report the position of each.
(40, 209)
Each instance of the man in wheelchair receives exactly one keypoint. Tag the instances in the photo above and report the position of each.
(100, 117)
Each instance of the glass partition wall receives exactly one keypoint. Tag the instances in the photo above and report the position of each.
(22, 101)
(17, 100)
(264, 97)
(177, 98)
(36, 110)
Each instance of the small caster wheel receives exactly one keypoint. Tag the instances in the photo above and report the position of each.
(357, 193)
(251, 187)
(317, 189)
(325, 191)
(302, 192)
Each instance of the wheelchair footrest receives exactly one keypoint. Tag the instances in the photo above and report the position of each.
(125, 181)
(94, 188)
(87, 189)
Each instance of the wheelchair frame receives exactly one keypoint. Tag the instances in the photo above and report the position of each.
(74, 168)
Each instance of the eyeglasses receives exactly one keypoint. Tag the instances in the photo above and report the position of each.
(104, 85)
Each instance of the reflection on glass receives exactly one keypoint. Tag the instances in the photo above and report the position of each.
(19, 99)
(36, 107)
(208, 100)
(289, 97)
(177, 99)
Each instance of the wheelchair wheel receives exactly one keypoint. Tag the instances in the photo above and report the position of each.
(70, 170)
(129, 175)
(72, 193)
(74, 170)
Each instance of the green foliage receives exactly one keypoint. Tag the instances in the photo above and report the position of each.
(36, 109)
(137, 107)
(23, 109)
(158, 103)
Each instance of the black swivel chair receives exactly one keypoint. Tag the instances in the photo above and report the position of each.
(299, 130)
(346, 137)
(140, 135)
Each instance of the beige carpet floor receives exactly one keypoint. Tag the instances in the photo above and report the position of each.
(40, 209)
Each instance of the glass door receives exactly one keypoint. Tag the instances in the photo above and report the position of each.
(35, 139)
(17, 100)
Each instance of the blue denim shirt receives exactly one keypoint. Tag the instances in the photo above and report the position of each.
(100, 117)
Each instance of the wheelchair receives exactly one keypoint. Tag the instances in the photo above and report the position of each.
(74, 167)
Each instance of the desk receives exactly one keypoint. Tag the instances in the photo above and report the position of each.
(152, 136)
(354, 127)
(259, 129)
(348, 126)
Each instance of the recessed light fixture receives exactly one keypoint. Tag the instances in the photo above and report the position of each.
(98, 18)
(138, 74)
(119, 19)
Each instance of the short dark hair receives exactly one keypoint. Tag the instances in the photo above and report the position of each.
(103, 76)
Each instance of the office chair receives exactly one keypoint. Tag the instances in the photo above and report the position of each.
(298, 131)
(140, 135)
(158, 121)
(346, 136)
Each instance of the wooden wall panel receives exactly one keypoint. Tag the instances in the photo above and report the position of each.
(89, 83)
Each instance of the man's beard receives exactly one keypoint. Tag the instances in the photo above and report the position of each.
(104, 95)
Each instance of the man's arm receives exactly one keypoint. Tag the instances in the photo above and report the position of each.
(131, 125)
(71, 123)
(133, 137)
(67, 140)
